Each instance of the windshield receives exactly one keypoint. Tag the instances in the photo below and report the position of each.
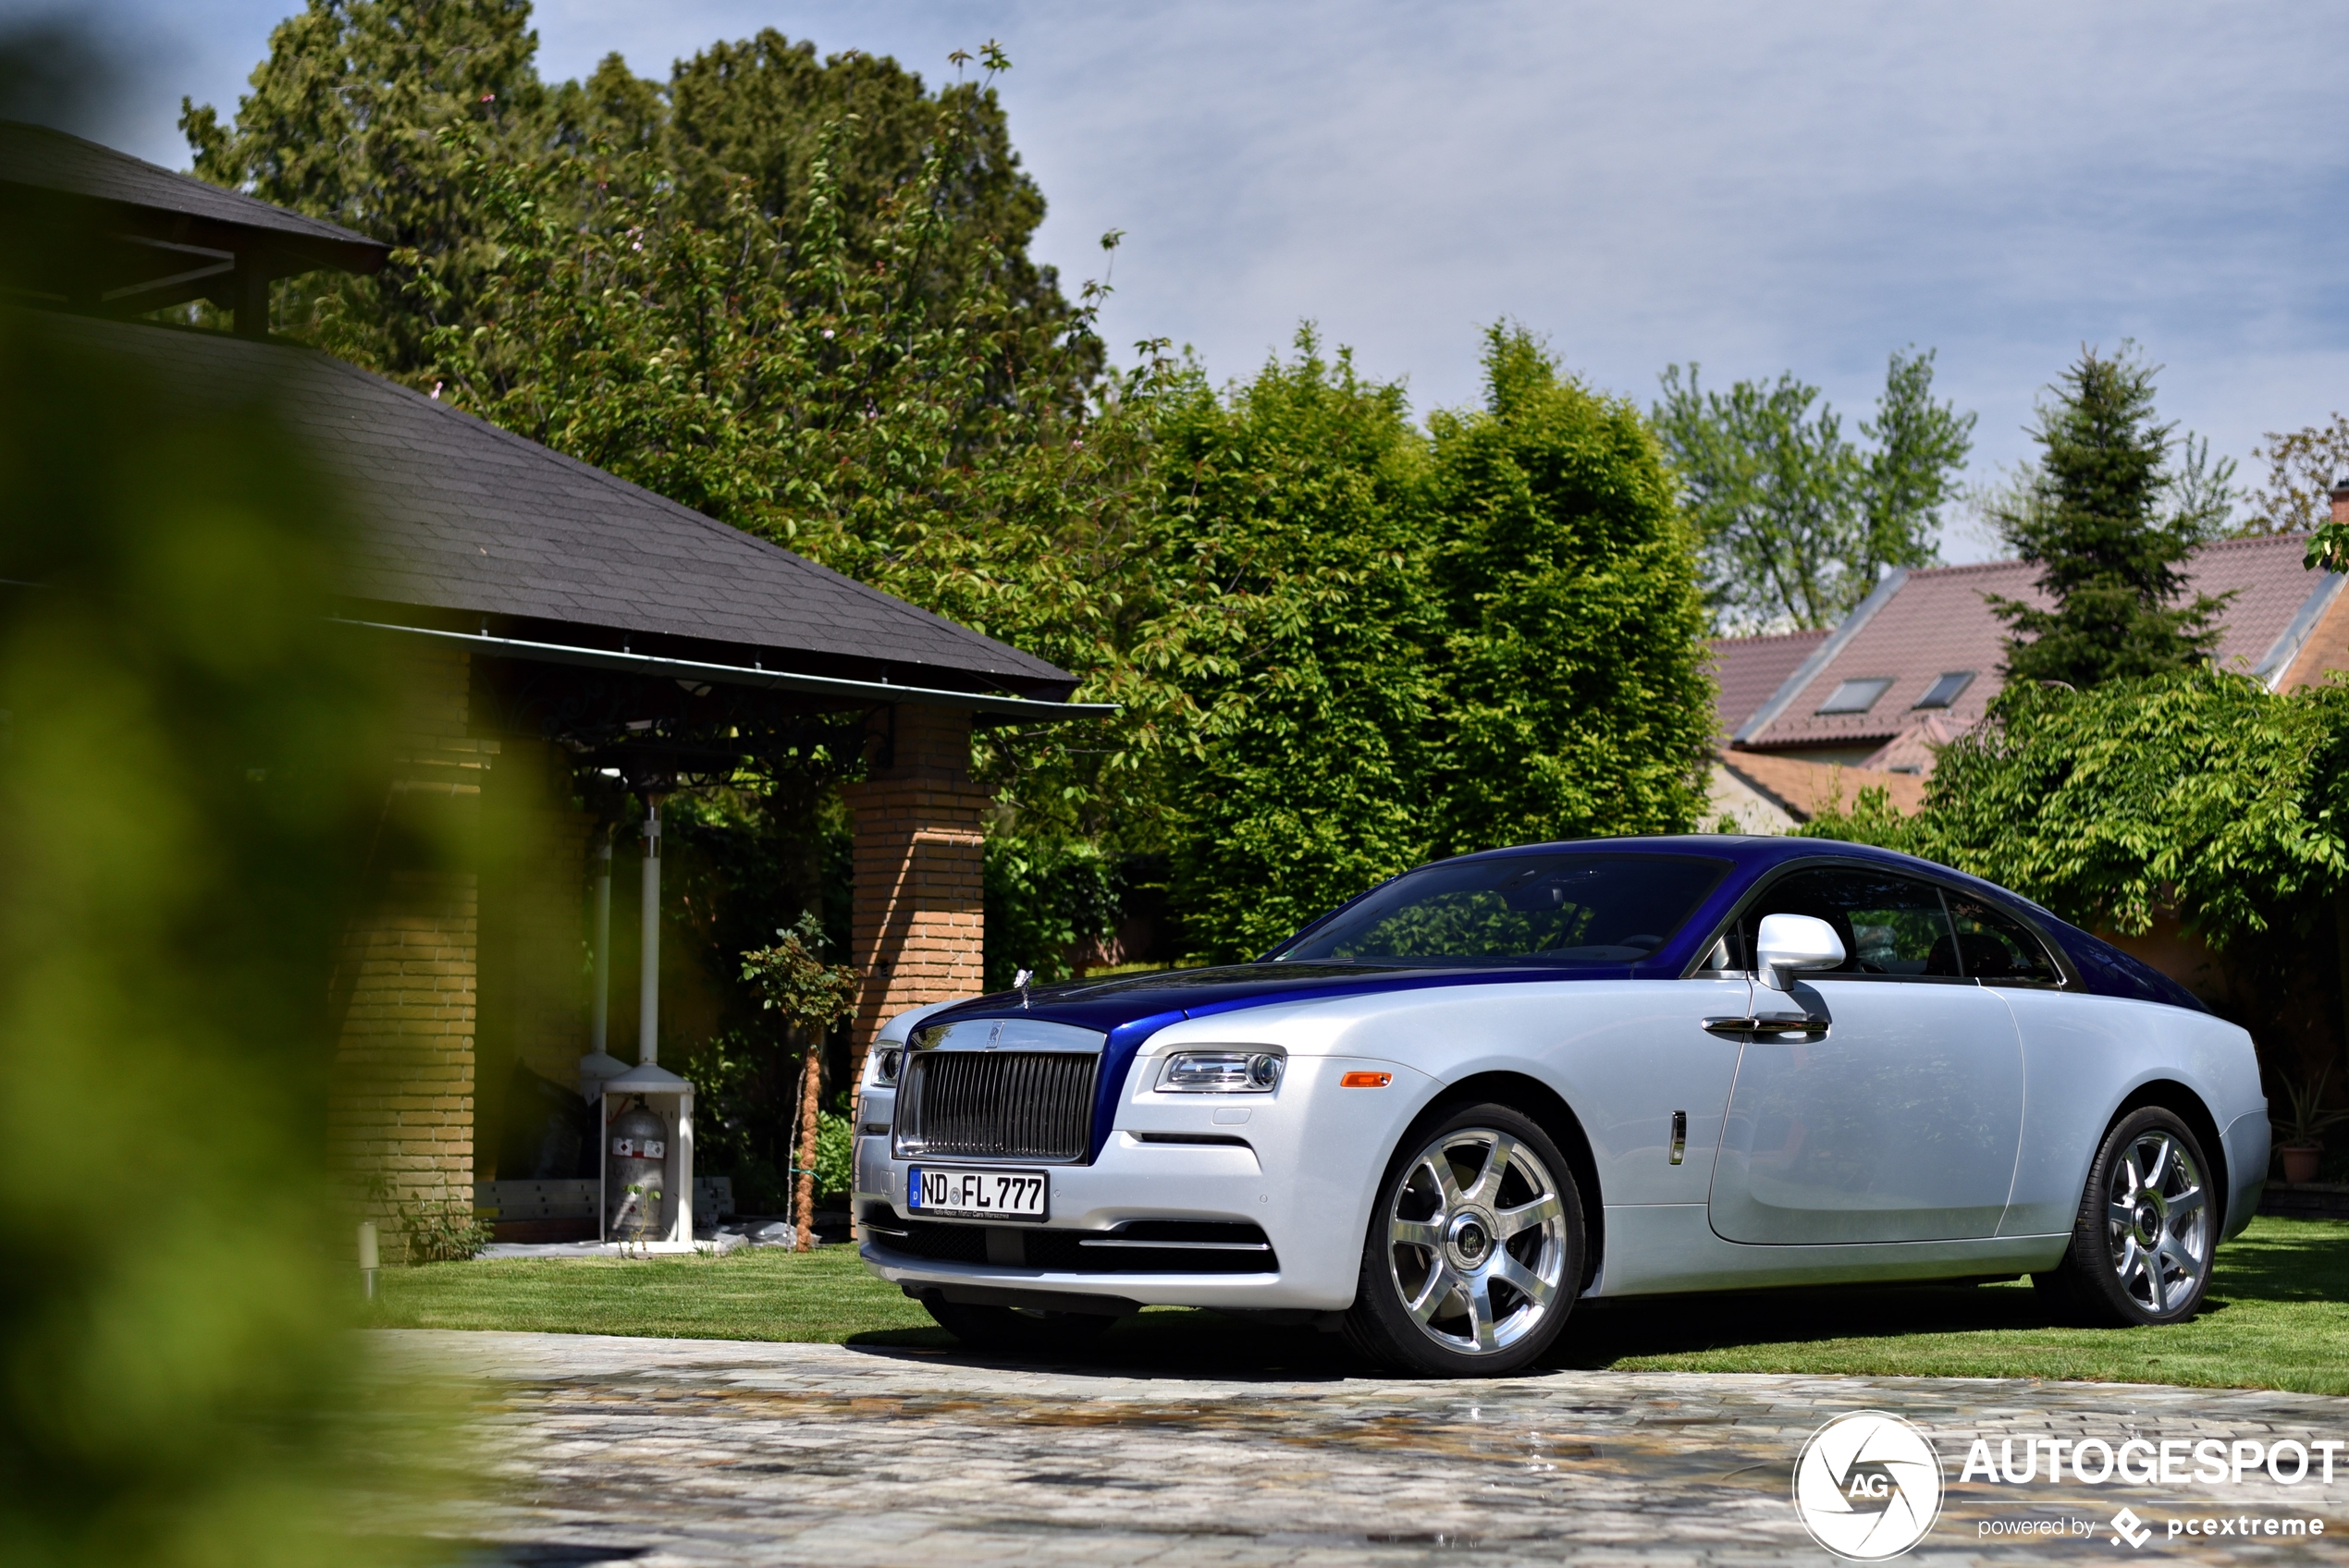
(1579, 908)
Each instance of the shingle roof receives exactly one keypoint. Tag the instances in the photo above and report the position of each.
(38, 159)
(466, 518)
(1926, 623)
(1750, 668)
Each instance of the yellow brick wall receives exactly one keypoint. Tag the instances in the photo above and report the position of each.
(400, 1105)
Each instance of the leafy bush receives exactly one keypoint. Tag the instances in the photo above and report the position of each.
(835, 1162)
(1047, 899)
(442, 1232)
(2196, 791)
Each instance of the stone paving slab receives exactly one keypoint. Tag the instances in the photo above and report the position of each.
(670, 1452)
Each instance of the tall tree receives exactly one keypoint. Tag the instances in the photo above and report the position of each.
(1299, 627)
(367, 111)
(1575, 702)
(344, 123)
(2304, 466)
(1796, 522)
(1920, 446)
(2115, 505)
(759, 109)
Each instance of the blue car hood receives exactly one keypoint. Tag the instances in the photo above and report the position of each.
(1124, 1000)
(1129, 1009)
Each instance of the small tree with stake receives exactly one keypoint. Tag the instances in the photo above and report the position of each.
(793, 979)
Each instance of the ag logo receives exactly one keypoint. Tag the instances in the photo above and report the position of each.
(1868, 1486)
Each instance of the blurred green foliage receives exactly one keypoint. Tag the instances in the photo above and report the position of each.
(192, 773)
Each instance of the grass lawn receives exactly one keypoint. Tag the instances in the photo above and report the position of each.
(2277, 1317)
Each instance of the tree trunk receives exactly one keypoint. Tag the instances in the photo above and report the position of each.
(811, 1087)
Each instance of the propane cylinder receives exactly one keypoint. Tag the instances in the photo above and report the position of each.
(635, 1171)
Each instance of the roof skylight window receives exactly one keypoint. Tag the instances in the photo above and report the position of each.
(1856, 696)
(1944, 692)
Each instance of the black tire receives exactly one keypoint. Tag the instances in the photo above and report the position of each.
(1016, 1331)
(1445, 1254)
(2147, 1231)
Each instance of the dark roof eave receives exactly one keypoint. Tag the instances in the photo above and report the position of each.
(758, 657)
(859, 692)
(291, 251)
(64, 176)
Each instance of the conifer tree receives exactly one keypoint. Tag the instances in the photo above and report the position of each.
(2110, 519)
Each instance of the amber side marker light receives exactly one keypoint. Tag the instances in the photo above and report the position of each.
(1366, 1081)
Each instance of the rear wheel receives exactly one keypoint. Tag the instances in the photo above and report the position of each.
(2141, 1246)
(1017, 1330)
(1475, 1249)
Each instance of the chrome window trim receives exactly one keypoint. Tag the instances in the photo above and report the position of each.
(2054, 949)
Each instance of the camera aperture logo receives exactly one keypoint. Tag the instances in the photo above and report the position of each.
(1868, 1486)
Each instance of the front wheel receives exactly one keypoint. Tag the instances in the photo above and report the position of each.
(2141, 1246)
(1475, 1249)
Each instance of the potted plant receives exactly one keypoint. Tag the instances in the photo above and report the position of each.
(2300, 1136)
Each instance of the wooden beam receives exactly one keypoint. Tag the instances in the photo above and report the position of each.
(251, 287)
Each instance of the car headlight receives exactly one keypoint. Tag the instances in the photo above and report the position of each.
(886, 1061)
(1221, 1072)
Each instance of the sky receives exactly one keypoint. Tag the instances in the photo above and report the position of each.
(1755, 188)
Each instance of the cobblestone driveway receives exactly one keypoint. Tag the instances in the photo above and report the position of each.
(675, 1451)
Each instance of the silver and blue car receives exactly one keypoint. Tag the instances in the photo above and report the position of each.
(1491, 1087)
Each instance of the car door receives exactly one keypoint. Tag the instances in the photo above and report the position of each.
(1888, 1105)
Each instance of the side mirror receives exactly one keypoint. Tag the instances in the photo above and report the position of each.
(1787, 944)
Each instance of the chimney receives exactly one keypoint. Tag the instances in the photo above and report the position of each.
(2341, 501)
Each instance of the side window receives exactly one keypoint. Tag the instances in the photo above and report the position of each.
(1997, 949)
(1890, 924)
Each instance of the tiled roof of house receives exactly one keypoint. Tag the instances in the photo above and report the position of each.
(1805, 789)
(1921, 626)
(467, 521)
(1750, 668)
(36, 158)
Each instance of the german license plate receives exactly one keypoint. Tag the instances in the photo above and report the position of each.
(976, 1195)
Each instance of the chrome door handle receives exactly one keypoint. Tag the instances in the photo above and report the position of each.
(1810, 1026)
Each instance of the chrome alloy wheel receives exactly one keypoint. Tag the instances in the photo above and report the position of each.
(1477, 1241)
(2157, 1221)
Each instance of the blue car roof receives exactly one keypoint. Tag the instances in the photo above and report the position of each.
(2104, 969)
(1119, 1001)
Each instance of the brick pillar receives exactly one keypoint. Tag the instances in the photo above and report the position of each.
(400, 1104)
(919, 929)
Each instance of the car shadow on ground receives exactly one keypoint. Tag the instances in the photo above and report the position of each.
(1196, 1343)
(2305, 1261)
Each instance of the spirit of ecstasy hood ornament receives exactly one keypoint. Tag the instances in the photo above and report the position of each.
(1019, 983)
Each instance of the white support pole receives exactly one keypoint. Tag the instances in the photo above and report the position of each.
(600, 1018)
(649, 983)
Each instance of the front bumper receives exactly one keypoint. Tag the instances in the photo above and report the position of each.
(1302, 1165)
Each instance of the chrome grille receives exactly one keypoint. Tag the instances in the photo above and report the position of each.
(1007, 1105)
